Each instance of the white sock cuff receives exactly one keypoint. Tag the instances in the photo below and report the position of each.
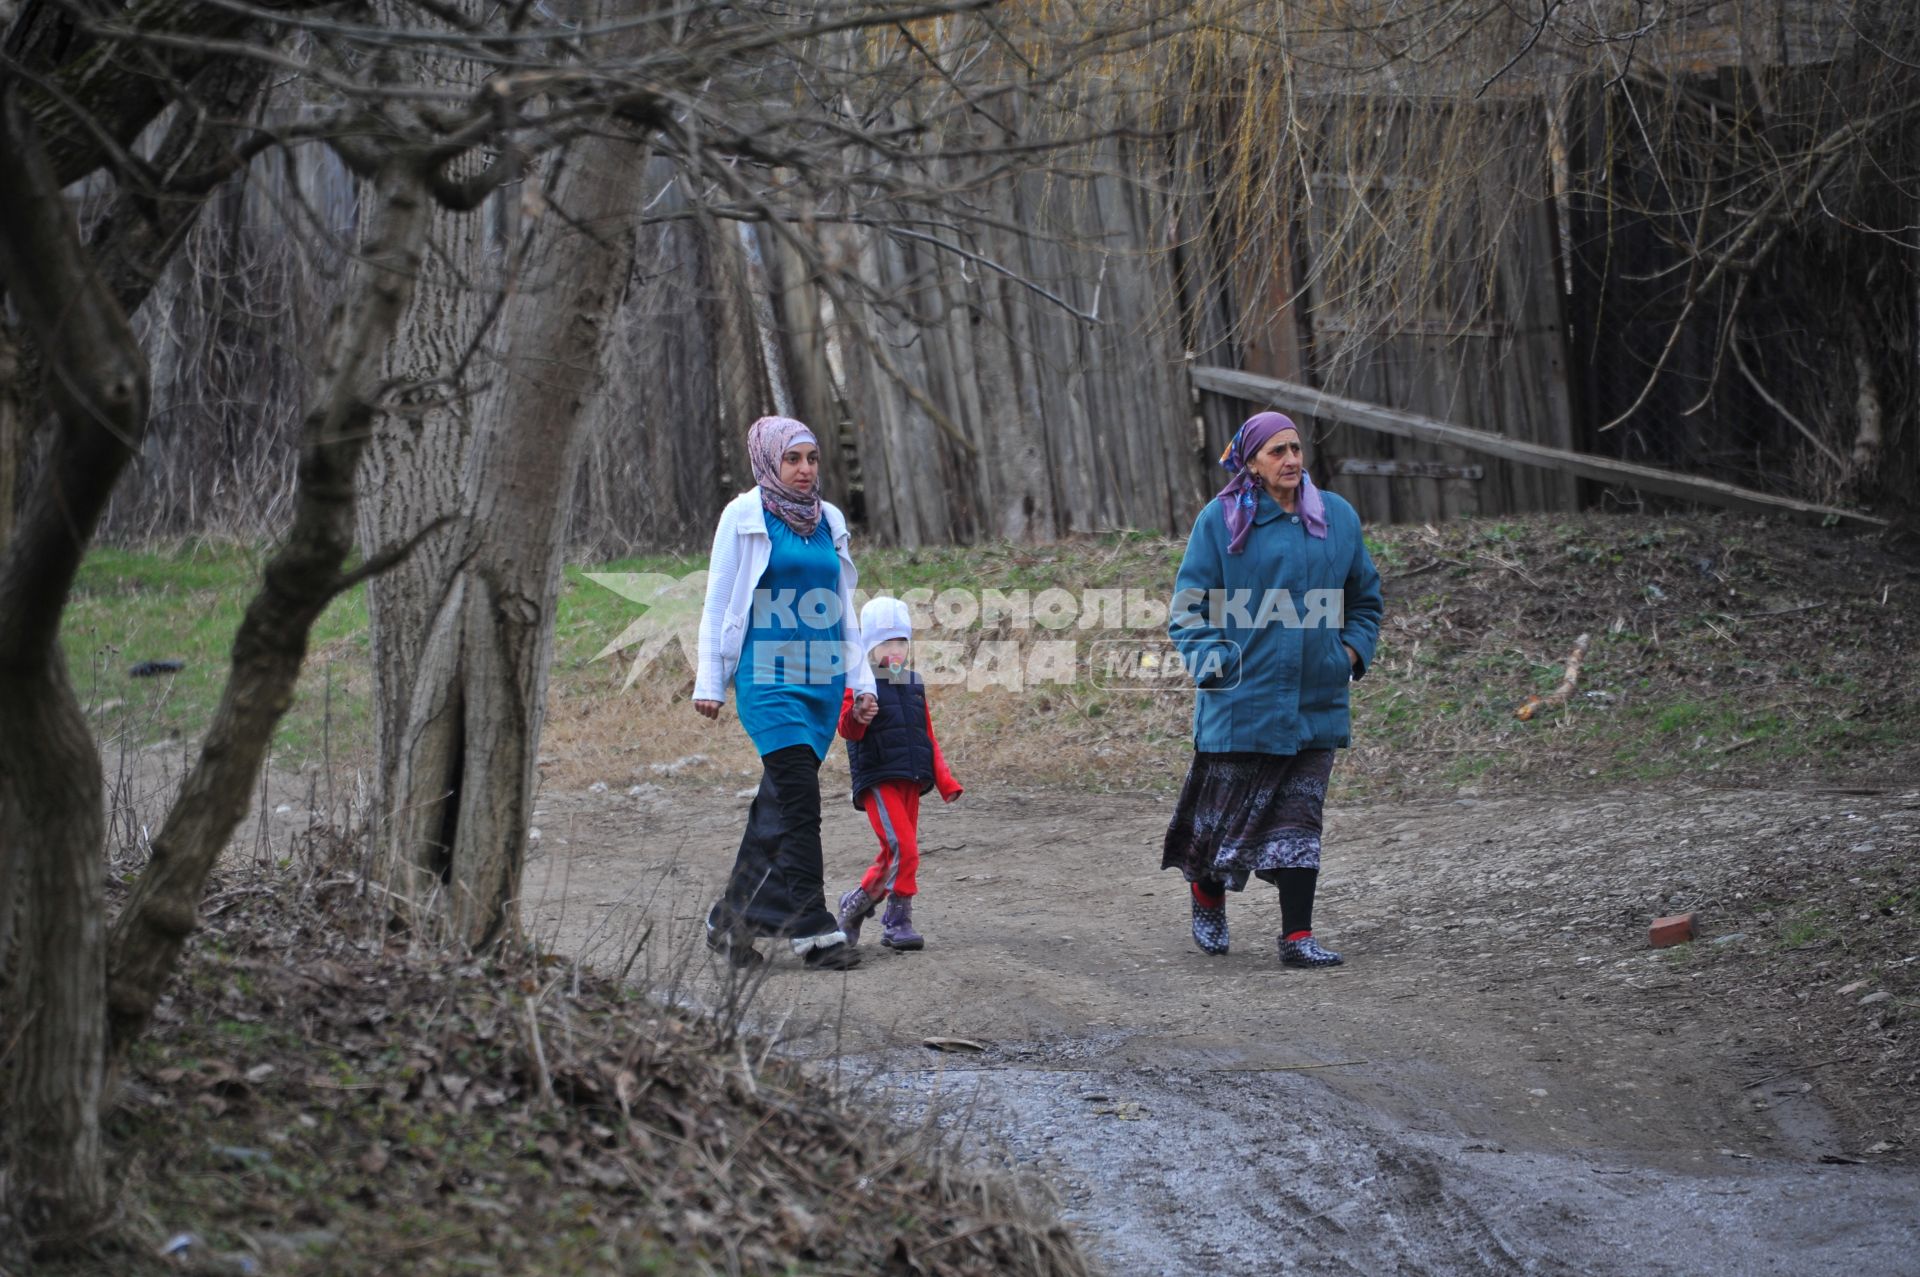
(803, 945)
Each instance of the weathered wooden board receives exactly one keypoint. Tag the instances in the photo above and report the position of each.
(1410, 469)
(1293, 397)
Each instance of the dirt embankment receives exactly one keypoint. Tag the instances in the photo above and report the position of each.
(1722, 648)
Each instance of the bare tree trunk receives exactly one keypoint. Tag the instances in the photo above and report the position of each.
(52, 825)
(468, 635)
(303, 576)
(1864, 461)
(740, 371)
(13, 443)
(51, 820)
(411, 472)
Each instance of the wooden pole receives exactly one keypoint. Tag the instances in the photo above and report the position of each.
(1292, 397)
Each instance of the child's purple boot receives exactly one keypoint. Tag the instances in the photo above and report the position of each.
(897, 925)
(855, 908)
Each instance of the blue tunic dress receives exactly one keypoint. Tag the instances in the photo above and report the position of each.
(791, 676)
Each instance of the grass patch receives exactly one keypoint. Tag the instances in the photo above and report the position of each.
(184, 603)
(1678, 717)
(588, 615)
(1808, 926)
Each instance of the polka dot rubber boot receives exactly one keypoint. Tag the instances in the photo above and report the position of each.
(1307, 952)
(1210, 926)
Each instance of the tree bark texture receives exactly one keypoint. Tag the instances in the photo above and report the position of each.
(666, 446)
(464, 640)
(412, 471)
(52, 828)
(13, 443)
(301, 578)
(120, 84)
(51, 820)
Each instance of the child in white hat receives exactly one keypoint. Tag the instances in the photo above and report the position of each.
(895, 758)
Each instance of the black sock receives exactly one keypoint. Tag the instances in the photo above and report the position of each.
(1296, 899)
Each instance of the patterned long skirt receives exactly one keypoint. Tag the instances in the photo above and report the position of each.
(1243, 815)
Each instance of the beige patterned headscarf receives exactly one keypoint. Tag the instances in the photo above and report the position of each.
(767, 442)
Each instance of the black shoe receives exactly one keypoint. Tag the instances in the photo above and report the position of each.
(731, 942)
(835, 957)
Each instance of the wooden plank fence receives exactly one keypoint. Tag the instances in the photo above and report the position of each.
(1025, 383)
(1073, 360)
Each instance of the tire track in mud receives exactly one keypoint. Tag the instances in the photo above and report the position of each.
(1196, 1173)
(1447, 1231)
(1223, 1173)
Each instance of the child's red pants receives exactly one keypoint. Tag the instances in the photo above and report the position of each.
(893, 809)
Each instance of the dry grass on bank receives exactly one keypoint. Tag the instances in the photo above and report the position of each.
(313, 1099)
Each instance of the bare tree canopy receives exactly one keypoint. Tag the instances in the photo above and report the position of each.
(442, 249)
(1393, 203)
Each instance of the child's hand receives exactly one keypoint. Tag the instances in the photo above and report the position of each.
(866, 707)
(954, 793)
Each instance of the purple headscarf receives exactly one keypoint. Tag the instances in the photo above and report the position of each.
(767, 441)
(1241, 497)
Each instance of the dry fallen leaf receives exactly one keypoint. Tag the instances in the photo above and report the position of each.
(954, 1044)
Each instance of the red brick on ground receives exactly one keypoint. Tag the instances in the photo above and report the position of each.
(1671, 931)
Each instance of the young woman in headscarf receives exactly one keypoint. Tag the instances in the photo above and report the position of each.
(1276, 609)
(779, 627)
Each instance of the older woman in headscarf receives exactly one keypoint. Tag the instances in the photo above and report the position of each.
(779, 627)
(1276, 609)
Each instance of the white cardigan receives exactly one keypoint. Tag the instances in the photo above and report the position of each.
(741, 549)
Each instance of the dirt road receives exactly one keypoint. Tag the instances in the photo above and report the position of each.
(1504, 1078)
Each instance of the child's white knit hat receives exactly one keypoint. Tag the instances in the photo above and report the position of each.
(884, 618)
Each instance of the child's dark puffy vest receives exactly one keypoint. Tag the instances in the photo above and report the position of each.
(896, 745)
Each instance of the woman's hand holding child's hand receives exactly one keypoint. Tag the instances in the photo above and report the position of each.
(866, 707)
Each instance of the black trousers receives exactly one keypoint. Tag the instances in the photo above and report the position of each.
(778, 885)
(1296, 895)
